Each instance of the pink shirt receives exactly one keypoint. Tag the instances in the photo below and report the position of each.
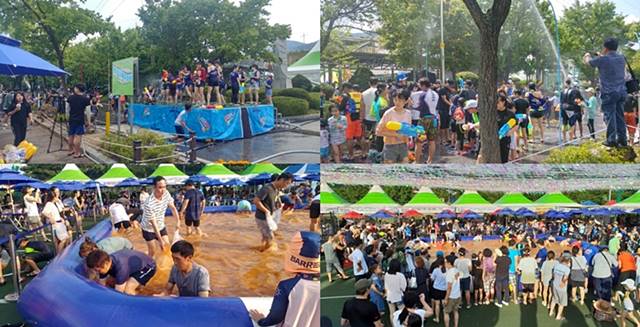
(402, 116)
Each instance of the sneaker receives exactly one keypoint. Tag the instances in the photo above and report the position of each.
(469, 306)
(498, 305)
(505, 303)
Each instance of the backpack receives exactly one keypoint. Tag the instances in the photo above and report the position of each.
(348, 105)
(458, 114)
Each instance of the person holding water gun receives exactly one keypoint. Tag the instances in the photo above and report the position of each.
(522, 110)
(507, 122)
(164, 82)
(472, 123)
(395, 148)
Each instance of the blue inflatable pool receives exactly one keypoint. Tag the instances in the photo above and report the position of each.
(59, 296)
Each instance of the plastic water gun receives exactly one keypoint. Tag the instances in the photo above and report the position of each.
(29, 149)
(405, 129)
(148, 94)
(511, 123)
(521, 118)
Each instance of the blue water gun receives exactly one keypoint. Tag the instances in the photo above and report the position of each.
(511, 123)
(405, 129)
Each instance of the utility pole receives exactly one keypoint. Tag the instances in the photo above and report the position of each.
(442, 39)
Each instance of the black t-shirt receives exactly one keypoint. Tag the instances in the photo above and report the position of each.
(521, 105)
(504, 116)
(194, 207)
(38, 246)
(267, 196)
(77, 104)
(468, 94)
(360, 312)
(19, 118)
(502, 267)
(443, 106)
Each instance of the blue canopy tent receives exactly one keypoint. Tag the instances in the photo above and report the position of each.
(234, 182)
(16, 61)
(576, 212)
(69, 186)
(553, 214)
(617, 212)
(504, 212)
(525, 213)
(470, 215)
(37, 184)
(259, 179)
(214, 182)
(200, 179)
(128, 182)
(599, 212)
(313, 177)
(92, 185)
(11, 177)
(382, 214)
(635, 211)
(303, 169)
(446, 214)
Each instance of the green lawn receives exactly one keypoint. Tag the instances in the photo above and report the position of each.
(9, 310)
(481, 316)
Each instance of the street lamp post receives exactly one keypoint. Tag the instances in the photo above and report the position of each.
(442, 38)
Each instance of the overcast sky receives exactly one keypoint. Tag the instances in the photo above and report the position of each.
(302, 15)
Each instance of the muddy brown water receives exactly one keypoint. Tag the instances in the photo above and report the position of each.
(230, 253)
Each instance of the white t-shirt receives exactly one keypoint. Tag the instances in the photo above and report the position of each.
(394, 286)
(30, 207)
(463, 265)
(367, 101)
(628, 304)
(52, 211)
(528, 266)
(118, 213)
(396, 317)
(432, 101)
(358, 257)
(455, 282)
(143, 197)
(180, 119)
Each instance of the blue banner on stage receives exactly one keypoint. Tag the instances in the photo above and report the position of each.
(217, 124)
(261, 119)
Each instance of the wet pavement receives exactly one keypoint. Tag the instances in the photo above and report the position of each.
(262, 146)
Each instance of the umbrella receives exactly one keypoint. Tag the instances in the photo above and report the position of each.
(259, 179)
(504, 212)
(575, 212)
(599, 212)
(16, 61)
(382, 214)
(525, 213)
(198, 179)
(553, 214)
(11, 177)
(636, 211)
(129, 182)
(93, 184)
(37, 184)
(353, 215)
(214, 182)
(412, 213)
(234, 182)
(617, 212)
(446, 214)
(146, 181)
(68, 186)
(468, 214)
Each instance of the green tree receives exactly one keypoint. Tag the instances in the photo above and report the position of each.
(179, 32)
(583, 28)
(47, 27)
(344, 14)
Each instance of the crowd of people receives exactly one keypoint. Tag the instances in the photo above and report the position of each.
(421, 268)
(205, 84)
(441, 115)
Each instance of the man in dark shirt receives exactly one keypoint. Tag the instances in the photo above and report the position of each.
(359, 311)
(35, 252)
(522, 108)
(444, 104)
(611, 66)
(502, 277)
(192, 208)
(266, 204)
(77, 104)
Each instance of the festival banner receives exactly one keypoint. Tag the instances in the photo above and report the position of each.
(122, 76)
(216, 124)
(261, 119)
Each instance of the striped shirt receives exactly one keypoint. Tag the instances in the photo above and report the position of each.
(155, 209)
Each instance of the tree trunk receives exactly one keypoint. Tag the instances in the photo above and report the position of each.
(489, 25)
(490, 150)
